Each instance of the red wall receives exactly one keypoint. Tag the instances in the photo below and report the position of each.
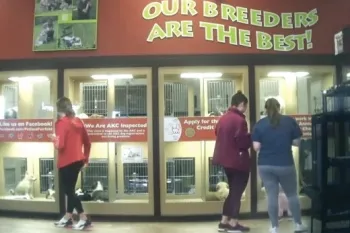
(123, 31)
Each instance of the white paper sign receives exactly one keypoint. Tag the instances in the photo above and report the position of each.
(132, 154)
(338, 43)
(172, 129)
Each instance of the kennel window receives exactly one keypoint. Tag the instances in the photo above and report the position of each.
(94, 97)
(10, 93)
(96, 171)
(131, 100)
(176, 99)
(42, 108)
(219, 95)
(181, 176)
(136, 178)
(14, 171)
(47, 179)
(216, 175)
(268, 88)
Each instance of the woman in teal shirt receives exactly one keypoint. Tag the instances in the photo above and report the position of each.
(273, 138)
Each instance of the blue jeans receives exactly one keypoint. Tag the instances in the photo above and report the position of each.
(272, 177)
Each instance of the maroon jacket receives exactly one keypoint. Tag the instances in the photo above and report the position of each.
(232, 141)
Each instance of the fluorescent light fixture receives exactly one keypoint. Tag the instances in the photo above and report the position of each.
(29, 79)
(2, 107)
(348, 75)
(111, 76)
(301, 74)
(288, 74)
(201, 75)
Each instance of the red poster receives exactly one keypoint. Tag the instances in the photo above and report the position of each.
(37, 130)
(117, 129)
(189, 128)
(304, 122)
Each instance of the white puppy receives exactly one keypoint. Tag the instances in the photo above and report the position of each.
(222, 191)
(24, 187)
(283, 205)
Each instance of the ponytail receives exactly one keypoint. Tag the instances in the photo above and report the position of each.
(238, 98)
(272, 107)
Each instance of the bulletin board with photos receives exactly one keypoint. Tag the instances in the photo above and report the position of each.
(61, 25)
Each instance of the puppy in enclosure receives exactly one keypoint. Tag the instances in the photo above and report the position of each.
(24, 187)
(98, 194)
(71, 137)
(83, 195)
(222, 191)
(50, 193)
(283, 205)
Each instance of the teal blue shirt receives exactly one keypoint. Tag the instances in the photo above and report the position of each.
(276, 142)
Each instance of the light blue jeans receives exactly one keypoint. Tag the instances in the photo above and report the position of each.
(272, 177)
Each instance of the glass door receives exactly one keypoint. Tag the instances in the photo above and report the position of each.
(116, 108)
(299, 92)
(191, 101)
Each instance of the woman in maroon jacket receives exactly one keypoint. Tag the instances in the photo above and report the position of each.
(231, 152)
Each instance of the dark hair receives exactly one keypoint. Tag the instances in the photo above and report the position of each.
(65, 106)
(272, 107)
(239, 98)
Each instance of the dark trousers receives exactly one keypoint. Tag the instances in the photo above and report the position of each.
(237, 182)
(69, 176)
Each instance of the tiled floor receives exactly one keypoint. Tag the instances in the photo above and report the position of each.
(11, 225)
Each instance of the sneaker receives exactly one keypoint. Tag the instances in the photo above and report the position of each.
(223, 227)
(64, 222)
(235, 229)
(81, 225)
(273, 230)
(300, 228)
(231, 229)
(242, 228)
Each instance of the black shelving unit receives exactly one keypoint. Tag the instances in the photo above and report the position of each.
(330, 189)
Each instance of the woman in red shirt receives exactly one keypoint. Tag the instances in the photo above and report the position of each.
(231, 152)
(70, 140)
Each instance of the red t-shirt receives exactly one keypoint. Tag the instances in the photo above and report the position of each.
(72, 141)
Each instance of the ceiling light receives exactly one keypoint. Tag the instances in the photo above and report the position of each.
(348, 75)
(201, 75)
(301, 74)
(111, 76)
(287, 74)
(29, 79)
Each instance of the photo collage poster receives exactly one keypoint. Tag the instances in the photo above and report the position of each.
(61, 25)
